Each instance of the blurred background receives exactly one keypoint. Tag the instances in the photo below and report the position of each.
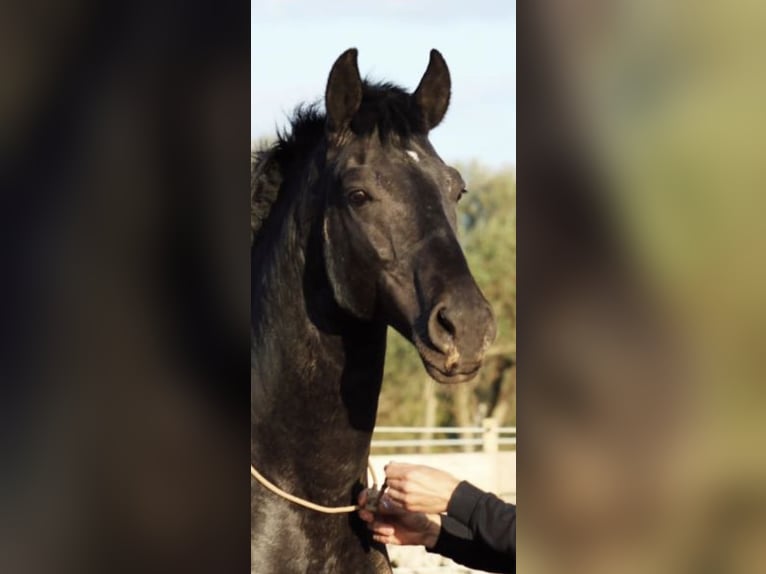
(124, 395)
(641, 191)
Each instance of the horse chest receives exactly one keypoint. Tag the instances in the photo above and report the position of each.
(300, 543)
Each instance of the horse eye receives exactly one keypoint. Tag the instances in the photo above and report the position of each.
(358, 197)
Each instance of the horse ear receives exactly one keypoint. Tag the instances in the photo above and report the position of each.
(344, 91)
(433, 92)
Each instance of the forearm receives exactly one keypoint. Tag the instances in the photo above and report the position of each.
(455, 541)
(487, 518)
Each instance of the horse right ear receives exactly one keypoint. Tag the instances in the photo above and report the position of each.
(344, 92)
(433, 93)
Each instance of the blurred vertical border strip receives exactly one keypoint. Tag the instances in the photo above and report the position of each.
(641, 315)
(124, 182)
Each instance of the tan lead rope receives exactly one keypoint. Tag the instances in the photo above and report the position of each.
(305, 503)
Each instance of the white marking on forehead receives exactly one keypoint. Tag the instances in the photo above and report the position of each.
(413, 155)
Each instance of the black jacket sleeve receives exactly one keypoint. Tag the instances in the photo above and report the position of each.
(479, 530)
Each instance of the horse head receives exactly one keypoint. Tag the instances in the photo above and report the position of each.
(389, 220)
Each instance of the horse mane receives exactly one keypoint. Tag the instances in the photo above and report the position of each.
(265, 182)
(385, 107)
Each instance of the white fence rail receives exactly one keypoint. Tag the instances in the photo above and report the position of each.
(490, 437)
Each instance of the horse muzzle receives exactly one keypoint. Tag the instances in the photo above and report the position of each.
(459, 330)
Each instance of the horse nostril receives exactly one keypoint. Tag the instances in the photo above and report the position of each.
(442, 329)
(445, 322)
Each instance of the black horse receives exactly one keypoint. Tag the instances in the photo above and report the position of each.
(354, 222)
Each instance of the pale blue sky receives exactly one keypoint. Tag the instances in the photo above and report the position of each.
(295, 42)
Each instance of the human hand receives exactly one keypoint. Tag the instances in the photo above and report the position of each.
(394, 525)
(419, 488)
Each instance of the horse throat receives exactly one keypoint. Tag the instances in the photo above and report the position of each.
(315, 377)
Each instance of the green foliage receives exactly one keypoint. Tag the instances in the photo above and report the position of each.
(487, 220)
(401, 400)
(488, 236)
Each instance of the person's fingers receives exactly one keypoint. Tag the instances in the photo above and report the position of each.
(366, 515)
(404, 488)
(400, 501)
(390, 539)
(396, 496)
(389, 506)
(409, 502)
(397, 469)
(386, 505)
(383, 539)
(418, 474)
(397, 485)
(405, 500)
(381, 528)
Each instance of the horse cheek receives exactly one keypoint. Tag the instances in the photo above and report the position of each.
(352, 286)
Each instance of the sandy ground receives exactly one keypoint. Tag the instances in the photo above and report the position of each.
(415, 560)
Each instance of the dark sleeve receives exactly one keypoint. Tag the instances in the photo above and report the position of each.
(479, 530)
(457, 543)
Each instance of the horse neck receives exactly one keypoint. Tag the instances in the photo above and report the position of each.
(316, 373)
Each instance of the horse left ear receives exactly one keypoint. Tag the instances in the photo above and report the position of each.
(433, 92)
(344, 91)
